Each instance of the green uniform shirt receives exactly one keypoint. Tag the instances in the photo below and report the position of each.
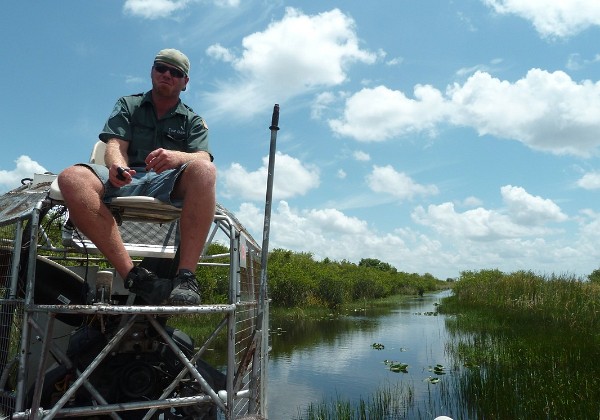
(134, 120)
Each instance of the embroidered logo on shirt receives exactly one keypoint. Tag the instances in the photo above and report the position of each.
(176, 132)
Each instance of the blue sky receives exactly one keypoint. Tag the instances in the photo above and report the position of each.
(439, 136)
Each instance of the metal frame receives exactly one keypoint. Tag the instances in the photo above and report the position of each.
(245, 317)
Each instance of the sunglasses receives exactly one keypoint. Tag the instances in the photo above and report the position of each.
(161, 68)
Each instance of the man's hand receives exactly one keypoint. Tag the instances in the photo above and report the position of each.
(120, 176)
(160, 160)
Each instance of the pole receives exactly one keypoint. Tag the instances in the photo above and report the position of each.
(270, 175)
(263, 317)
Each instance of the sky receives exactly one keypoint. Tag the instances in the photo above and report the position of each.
(439, 136)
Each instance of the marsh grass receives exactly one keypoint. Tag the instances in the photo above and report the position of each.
(521, 346)
(389, 402)
(563, 300)
(526, 345)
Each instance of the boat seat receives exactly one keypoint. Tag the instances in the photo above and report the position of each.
(129, 209)
(140, 208)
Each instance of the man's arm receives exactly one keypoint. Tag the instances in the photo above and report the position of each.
(162, 159)
(115, 158)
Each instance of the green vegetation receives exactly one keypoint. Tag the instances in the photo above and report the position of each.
(387, 403)
(297, 280)
(522, 296)
(521, 346)
(528, 345)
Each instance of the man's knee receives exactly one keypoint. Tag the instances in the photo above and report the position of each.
(76, 177)
(200, 172)
(198, 179)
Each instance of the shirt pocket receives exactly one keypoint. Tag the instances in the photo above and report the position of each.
(174, 141)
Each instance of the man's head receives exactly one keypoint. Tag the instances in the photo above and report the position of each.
(170, 72)
(174, 58)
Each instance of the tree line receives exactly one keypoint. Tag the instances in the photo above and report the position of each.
(297, 279)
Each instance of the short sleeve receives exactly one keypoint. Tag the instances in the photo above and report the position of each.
(118, 124)
(198, 136)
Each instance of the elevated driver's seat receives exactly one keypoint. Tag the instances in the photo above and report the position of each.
(148, 209)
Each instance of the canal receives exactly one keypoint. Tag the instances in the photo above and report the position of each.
(349, 356)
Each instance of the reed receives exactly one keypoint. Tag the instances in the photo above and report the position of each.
(520, 345)
(562, 300)
(390, 402)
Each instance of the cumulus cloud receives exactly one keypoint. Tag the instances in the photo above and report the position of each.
(292, 178)
(380, 113)
(219, 52)
(158, 9)
(545, 111)
(552, 18)
(25, 168)
(449, 242)
(316, 53)
(589, 181)
(333, 234)
(154, 9)
(385, 179)
(525, 215)
(527, 209)
(361, 156)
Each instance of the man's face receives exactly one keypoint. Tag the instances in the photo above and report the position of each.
(167, 80)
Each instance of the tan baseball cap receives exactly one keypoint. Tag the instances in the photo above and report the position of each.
(175, 58)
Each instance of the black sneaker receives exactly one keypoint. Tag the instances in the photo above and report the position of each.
(148, 286)
(185, 290)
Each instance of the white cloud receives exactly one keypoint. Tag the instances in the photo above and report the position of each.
(385, 179)
(321, 104)
(316, 53)
(154, 9)
(552, 18)
(471, 202)
(291, 178)
(227, 3)
(589, 181)
(361, 156)
(219, 52)
(476, 239)
(545, 111)
(527, 209)
(25, 168)
(330, 233)
(341, 174)
(159, 9)
(380, 113)
(577, 62)
(524, 216)
(394, 61)
(477, 224)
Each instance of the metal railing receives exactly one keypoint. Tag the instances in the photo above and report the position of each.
(37, 335)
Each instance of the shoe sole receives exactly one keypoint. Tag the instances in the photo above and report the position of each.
(182, 301)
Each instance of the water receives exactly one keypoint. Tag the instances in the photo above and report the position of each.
(333, 358)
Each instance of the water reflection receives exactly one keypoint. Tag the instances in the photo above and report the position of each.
(313, 360)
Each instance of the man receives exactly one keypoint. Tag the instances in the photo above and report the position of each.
(155, 146)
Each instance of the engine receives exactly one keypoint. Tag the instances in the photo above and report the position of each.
(140, 368)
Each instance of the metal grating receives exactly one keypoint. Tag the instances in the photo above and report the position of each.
(11, 313)
(61, 243)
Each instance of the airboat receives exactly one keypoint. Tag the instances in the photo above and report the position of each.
(75, 343)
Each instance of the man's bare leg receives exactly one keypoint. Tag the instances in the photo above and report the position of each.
(82, 192)
(196, 186)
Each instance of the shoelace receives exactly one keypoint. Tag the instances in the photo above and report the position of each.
(189, 283)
